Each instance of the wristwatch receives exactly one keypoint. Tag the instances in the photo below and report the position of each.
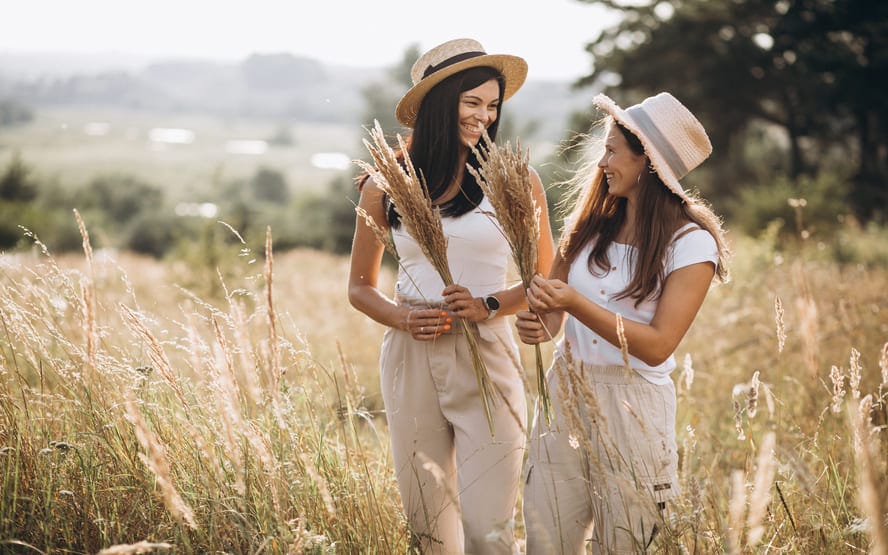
(492, 305)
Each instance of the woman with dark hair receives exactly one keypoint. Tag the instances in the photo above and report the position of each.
(633, 267)
(458, 484)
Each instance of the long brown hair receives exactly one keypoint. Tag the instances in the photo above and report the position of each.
(598, 216)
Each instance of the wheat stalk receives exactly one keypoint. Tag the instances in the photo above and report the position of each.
(504, 176)
(423, 221)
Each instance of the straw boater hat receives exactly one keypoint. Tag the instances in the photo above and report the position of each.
(452, 57)
(673, 139)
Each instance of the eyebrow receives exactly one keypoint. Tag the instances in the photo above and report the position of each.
(476, 97)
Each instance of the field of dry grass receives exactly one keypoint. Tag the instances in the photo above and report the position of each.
(143, 407)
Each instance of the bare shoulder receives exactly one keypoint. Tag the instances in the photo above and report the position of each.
(535, 178)
(372, 201)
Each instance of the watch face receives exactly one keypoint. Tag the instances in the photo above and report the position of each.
(492, 303)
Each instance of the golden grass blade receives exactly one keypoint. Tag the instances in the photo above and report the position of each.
(423, 221)
(504, 176)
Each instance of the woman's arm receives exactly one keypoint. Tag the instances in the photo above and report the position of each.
(683, 293)
(366, 258)
(512, 299)
(363, 291)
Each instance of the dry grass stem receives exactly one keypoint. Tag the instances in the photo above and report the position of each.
(781, 326)
(155, 352)
(504, 176)
(760, 495)
(883, 364)
(408, 193)
(837, 377)
(321, 484)
(687, 373)
(135, 548)
(736, 510)
(809, 321)
(156, 461)
(269, 306)
(624, 345)
(441, 479)
(89, 309)
(854, 373)
(872, 495)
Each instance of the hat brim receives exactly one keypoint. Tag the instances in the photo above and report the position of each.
(513, 69)
(605, 103)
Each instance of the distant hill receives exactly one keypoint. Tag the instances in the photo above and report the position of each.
(262, 85)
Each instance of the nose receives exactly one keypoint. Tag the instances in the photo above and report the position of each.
(602, 162)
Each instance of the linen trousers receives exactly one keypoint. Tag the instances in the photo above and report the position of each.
(600, 474)
(458, 485)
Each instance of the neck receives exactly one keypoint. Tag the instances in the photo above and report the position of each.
(627, 230)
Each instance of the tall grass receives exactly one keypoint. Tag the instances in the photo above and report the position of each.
(213, 428)
(136, 415)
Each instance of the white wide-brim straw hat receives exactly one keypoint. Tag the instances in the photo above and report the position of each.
(452, 57)
(673, 139)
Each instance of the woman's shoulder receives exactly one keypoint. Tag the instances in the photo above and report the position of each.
(369, 187)
(693, 243)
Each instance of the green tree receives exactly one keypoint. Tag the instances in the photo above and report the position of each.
(815, 69)
(119, 197)
(269, 185)
(14, 113)
(17, 182)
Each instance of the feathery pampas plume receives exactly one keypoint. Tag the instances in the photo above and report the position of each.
(504, 176)
(423, 221)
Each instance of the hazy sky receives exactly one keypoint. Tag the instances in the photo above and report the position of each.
(550, 34)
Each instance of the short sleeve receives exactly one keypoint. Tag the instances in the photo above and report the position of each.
(692, 247)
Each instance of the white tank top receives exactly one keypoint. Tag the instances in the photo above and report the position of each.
(477, 252)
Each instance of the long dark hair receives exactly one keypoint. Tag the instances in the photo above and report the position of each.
(598, 216)
(435, 143)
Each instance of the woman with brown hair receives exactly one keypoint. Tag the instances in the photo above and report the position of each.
(633, 267)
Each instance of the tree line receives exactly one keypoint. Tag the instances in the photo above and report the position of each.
(790, 90)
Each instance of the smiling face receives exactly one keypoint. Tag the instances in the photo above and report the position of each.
(478, 109)
(621, 165)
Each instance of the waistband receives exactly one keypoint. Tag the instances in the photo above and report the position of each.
(598, 373)
(417, 302)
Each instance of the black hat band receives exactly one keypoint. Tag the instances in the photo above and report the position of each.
(450, 61)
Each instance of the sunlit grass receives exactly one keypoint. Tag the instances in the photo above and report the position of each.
(134, 408)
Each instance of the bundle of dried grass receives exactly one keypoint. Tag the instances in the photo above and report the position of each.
(504, 176)
(406, 190)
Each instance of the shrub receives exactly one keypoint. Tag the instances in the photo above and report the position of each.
(120, 197)
(16, 183)
(811, 205)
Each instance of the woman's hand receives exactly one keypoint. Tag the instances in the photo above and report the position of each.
(546, 295)
(428, 323)
(530, 328)
(463, 304)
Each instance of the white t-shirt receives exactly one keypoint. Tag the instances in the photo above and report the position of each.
(691, 248)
